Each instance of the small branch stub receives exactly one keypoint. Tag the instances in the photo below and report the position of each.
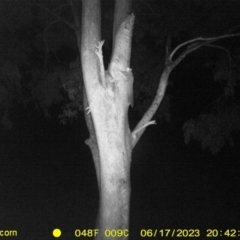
(134, 133)
(98, 52)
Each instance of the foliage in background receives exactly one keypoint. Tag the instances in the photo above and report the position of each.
(38, 59)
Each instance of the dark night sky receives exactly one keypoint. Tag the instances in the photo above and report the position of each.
(47, 176)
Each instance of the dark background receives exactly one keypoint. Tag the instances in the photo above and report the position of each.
(48, 180)
(47, 176)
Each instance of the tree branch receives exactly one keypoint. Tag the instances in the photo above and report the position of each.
(205, 40)
(169, 66)
(59, 18)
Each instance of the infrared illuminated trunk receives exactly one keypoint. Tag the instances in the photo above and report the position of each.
(109, 95)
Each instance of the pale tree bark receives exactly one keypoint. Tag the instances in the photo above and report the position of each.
(107, 97)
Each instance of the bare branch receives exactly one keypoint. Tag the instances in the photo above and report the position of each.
(59, 18)
(205, 40)
(140, 128)
(169, 66)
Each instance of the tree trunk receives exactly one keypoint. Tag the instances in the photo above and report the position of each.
(109, 95)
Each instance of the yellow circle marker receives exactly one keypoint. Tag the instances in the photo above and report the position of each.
(57, 232)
